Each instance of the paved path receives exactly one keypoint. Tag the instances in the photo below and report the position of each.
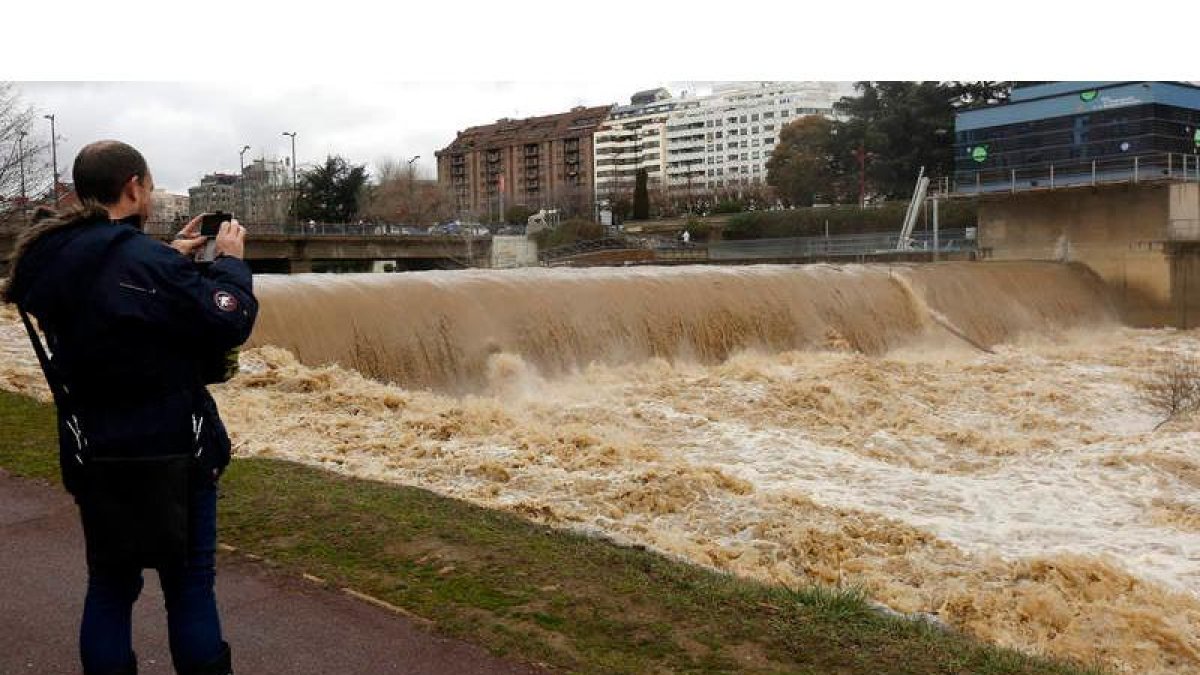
(276, 623)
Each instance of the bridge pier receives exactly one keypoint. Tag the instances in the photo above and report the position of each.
(1142, 239)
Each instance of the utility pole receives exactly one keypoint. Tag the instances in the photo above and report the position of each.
(295, 193)
(242, 181)
(53, 155)
(21, 159)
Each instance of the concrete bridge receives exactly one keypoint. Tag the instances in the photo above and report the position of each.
(342, 250)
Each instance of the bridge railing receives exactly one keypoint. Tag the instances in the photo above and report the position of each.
(1168, 166)
(325, 230)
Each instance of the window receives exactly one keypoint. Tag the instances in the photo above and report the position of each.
(745, 156)
(756, 168)
(719, 147)
(768, 127)
(742, 119)
(768, 115)
(743, 144)
(754, 117)
(720, 134)
(754, 130)
(768, 141)
(756, 155)
(783, 113)
(754, 143)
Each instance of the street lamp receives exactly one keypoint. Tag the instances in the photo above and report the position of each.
(411, 178)
(21, 159)
(53, 155)
(242, 180)
(294, 193)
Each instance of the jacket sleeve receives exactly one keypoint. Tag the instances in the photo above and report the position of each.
(216, 306)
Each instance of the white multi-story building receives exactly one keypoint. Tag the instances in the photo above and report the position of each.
(168, 207)
(633, 137)
(725, 139)
(261, 194)
(267, 191)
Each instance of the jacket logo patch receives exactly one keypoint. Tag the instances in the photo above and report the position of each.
(225, 301)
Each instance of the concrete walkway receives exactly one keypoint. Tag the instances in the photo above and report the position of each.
(275, 623)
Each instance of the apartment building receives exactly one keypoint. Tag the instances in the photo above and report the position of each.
(725, 139)
(169, 208)
(632, 138)
(262, 194)
(537, 162)
(216, 192)
(267, 191)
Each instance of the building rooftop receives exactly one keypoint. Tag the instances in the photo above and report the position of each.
(1058, 99)
(577, 121)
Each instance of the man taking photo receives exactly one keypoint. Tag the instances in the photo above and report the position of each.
(132, 329)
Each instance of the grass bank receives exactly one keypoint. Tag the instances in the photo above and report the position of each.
(573, 602)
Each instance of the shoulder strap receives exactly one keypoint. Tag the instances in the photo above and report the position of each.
(58, 389)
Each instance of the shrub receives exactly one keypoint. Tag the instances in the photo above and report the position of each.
(810, 222)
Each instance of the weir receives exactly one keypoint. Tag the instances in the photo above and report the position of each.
(439, 330)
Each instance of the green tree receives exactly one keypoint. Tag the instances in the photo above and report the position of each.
(641, 196)
(330, 192)
(900, 127)
(801, 168)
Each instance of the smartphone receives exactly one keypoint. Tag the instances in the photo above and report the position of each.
(210, 225)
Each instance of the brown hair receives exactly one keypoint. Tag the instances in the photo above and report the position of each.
(103, 168)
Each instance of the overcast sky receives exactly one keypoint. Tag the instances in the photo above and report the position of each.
(186, 130)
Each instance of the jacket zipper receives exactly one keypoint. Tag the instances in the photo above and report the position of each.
(150, 291)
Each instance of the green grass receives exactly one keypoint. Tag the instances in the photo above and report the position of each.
(574, 602)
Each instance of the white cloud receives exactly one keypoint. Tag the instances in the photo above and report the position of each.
(188, 129)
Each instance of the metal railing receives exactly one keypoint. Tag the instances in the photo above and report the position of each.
(587, 246)
(324, 230)
(1136, 169)
(848, 245)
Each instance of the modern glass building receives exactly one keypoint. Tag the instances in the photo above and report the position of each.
(1068, 133)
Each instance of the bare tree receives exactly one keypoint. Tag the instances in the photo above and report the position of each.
(400, 195)
(1173, 388)
(20, 148)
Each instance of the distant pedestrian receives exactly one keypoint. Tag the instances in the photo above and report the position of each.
(687, 237)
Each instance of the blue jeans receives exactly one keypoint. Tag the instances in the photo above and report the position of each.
(193, 627)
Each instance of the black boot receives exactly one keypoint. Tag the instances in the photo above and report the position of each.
(222, 665)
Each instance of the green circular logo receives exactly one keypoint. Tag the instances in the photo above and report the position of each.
(979, 153)
(1088, 96)
(1196, 137)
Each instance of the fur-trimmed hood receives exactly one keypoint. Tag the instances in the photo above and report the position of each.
(47, 225)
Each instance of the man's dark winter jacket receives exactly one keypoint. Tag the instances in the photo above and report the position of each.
(131, 323)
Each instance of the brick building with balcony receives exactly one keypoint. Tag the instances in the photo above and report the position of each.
(538, 162)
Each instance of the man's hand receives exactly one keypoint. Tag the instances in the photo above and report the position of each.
(188, 241)
(231, 239)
